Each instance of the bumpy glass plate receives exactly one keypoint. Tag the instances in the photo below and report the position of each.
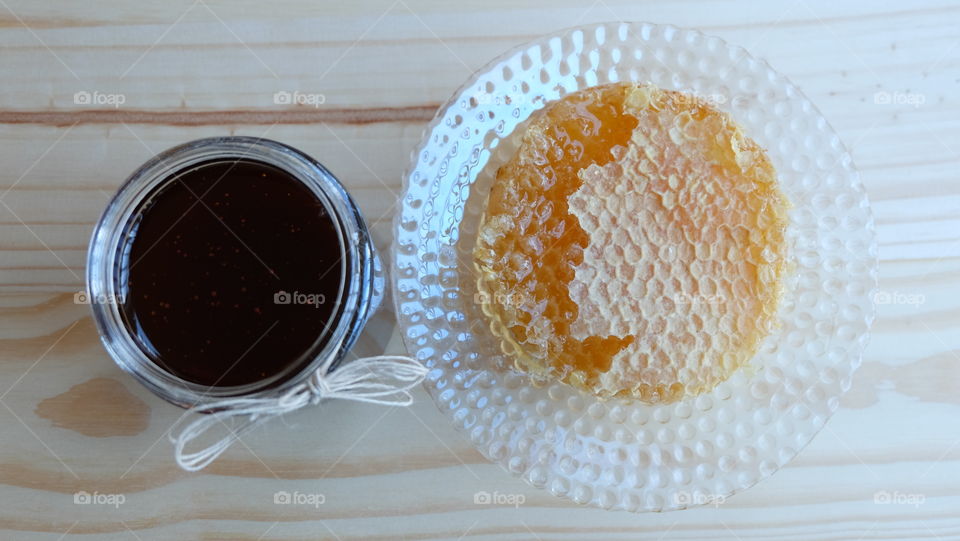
(621, 454)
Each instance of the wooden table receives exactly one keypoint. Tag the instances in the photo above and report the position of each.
(72, 423)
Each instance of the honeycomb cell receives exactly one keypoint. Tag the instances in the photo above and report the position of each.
(634, 244)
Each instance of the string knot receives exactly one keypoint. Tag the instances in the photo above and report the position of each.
(319, 387)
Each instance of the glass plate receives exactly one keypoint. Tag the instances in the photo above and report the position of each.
(621, 454)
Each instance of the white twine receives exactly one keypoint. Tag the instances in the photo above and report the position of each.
(384, 379)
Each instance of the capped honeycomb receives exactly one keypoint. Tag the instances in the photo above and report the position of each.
(634, 244)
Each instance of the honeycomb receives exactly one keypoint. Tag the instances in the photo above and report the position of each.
(634, 244)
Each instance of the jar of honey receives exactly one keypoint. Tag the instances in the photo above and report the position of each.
(230, 267)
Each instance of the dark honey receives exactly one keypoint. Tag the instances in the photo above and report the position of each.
(234, 273)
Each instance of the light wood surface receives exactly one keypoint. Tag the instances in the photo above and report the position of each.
(71, 422)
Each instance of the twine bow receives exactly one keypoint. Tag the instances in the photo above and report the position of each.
(384, 379)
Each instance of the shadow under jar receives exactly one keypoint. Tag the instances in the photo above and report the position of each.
(230, 267)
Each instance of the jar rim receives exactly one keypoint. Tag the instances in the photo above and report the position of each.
(355, 299)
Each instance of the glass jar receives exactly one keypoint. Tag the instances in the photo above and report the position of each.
(361, 287)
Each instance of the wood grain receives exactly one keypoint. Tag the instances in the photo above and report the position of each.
(72, 422)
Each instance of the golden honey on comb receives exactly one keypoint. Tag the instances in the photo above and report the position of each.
(634, 244)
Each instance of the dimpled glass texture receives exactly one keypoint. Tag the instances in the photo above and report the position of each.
(620, 453)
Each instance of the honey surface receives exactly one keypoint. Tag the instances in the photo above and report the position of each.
(634, 245)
